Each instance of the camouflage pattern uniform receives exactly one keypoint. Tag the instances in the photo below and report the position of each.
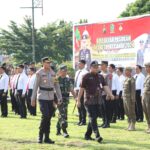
(66, 86)
(129, 100)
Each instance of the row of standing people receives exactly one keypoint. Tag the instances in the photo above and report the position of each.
(20, 86)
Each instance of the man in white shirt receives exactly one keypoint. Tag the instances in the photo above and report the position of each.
(29, 88)
(21, 84)
(115, 92)
(78, 78)
(120, 100)
(139, 84)
(4, 81)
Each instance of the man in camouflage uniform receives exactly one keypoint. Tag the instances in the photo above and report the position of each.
(66, 87)
(129, 98)
(44, 86)
(146, 96)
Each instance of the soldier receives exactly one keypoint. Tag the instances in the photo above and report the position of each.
(146, 96)
(4, 81)
(129, 98)
(44, 86)
(92, 84)
(66, 87)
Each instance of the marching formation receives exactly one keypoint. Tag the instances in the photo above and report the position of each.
(104, 91)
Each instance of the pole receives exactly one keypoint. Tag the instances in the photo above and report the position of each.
(33, 35)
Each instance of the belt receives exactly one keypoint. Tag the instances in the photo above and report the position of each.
(46, 89)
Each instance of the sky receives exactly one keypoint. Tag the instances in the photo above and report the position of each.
(69, 10)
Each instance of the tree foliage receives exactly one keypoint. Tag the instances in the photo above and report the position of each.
(53, 40)
(139, 7)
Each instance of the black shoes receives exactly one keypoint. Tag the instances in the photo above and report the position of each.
(49, 141)
(99, 139)
(88, 138)
(106, 126)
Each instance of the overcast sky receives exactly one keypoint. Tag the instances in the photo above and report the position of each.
(69, 10)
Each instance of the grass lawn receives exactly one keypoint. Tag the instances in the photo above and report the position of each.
(21, 134)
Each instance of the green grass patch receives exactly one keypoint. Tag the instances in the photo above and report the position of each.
(21, 134)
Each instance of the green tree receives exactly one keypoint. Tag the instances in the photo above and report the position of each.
(139, 7)
(54, 40)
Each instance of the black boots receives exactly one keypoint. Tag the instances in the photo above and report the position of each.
(47, 139)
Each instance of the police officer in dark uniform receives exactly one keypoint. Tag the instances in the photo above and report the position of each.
(93, 84)
(66, 87)
(44, 86)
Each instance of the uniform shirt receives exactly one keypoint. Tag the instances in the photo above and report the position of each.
(46, 79)
(30, 82)
(78, 77)
(121, 81)
(115, 83)
(146, 89)
(128, 92)
(139, 81)
(22, 82)
(4, 81)
(65, 85)
(93, 85)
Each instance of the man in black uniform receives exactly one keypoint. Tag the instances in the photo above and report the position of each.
(92, 84)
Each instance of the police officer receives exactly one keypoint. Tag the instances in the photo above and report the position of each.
(146, 96)
(66, 87)
(4, 81)
(92, 84)
(129, 98)
(44, 86)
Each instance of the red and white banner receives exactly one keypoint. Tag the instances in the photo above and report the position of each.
(125, 42)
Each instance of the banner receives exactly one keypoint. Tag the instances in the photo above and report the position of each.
(125, 42)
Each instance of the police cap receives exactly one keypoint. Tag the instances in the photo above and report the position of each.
(94, 63)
